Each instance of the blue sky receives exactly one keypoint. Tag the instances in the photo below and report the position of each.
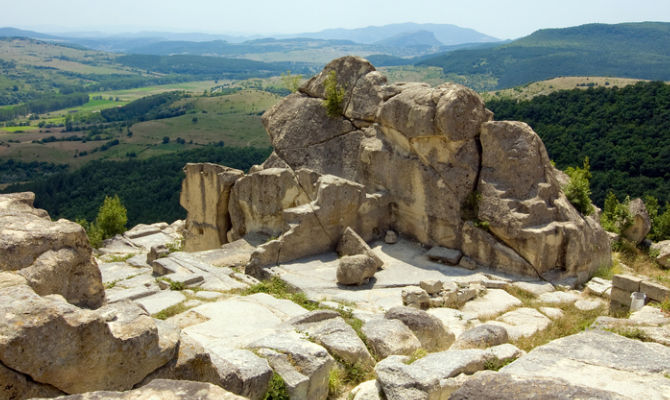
(500, 18)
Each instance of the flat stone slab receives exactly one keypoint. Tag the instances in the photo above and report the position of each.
(405, 265)
(494, 302)
(537, 288)
(444, 255)
(148, 241)
(588, 304)
(160, 301)
(239, 321)
(599, 287)
(118, 293)
(143, 230)
(522, 322)
(233, 254)
(601, 360)
(557, 298)
(552, 312)
(118, 271)
(207, 295)
(456, 321)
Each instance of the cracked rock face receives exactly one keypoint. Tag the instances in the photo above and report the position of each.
(426, 162)
(55, 257)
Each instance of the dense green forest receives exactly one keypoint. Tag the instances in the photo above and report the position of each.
(634, 50)
(205, 67)
(625, 132)
(148, 188)
(147, 108)
(46, 103)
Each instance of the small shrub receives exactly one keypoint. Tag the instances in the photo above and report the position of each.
(112, 217)
(608, 271)
(334, 96)
(175, 246)
(578, 190)
(616, 217)
(277, 389)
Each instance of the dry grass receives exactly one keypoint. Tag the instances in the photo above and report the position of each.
(573, 321)
(640, 262)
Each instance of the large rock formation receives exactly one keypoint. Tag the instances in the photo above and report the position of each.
(426, 162)
(55, 257)
(78, 350)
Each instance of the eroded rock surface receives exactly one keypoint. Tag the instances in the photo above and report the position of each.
(425, 162)
(55, 257)
(78, 350)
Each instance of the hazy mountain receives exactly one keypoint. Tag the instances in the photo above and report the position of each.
(632, 50)
(445, 33)
(411, 39)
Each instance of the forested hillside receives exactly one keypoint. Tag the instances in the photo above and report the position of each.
(633, 50)
(148, 188)
(625, 132)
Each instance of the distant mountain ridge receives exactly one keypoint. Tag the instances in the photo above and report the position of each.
(446, 34)
(631, 50)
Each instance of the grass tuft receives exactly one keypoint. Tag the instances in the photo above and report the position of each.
(418, 353)
(277, 389)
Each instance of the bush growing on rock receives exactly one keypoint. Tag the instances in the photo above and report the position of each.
(111, 220)
(334, 96)
(578, 190)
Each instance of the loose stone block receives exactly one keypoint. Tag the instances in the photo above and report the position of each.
(654, 291)
(627, 282)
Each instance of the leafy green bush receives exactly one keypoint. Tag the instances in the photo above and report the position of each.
(578, 190)
(111, 217)
(334, 96)
(616, 217)
(277, 389)
(111, 220)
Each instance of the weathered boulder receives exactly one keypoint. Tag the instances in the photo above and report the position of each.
(55, 257)
(602, 361)
(481, 337)
(663, 249)
(238, 371)
(428, 377)
(316, 226)
(78, 350)
(522, 201)
(14, 385)
(355, 270)
(641, 224)
(427, 328)
(416, 297)
(304, 366)
(352, 244)
(204, 194)
(489, 385)
(425, 162)
(332, 332)
(390, 336)
(163, 389)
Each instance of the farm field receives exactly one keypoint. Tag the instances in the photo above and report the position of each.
(229, 120)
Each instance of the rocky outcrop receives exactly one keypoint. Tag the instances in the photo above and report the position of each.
(600, 361)
(426, 162)
(490, 385)
(205, 193)
(663, 249)
(163, 389)
(54, 257)
(78, 350)
(640, 225)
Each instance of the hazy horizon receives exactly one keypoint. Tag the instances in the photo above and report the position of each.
(504, 20)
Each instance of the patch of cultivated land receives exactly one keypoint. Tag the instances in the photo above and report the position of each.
(531, 90)
(233, 119)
